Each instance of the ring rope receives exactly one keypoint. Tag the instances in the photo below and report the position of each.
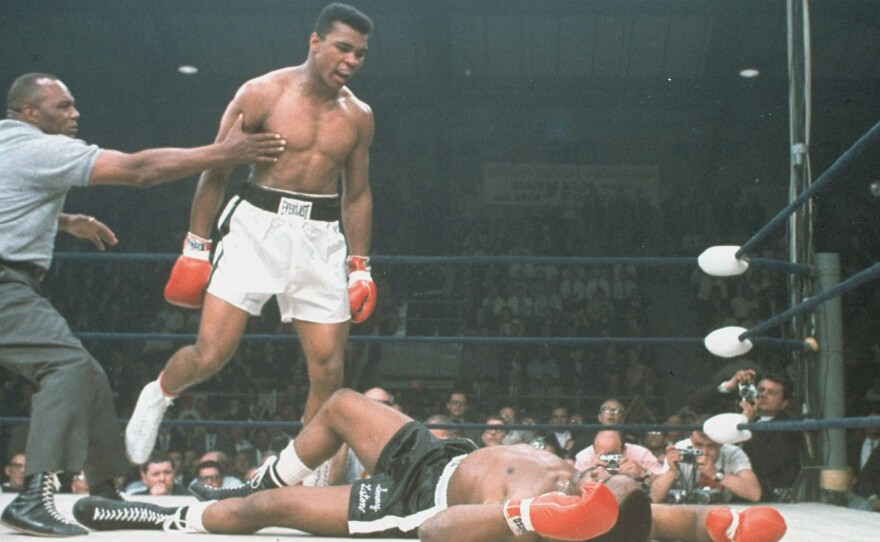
(786, 425)
(842, 287)
(770, 342)
(468, 260)
(844, 160)
(766, 263)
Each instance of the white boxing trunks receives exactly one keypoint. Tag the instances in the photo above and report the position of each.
(282, 244)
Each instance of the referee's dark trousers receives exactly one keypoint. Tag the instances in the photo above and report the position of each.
(73, 420)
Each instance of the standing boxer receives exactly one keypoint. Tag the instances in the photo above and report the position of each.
(280, 236)
(73, 421)
(433, 489)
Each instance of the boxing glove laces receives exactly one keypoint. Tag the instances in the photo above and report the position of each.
(189, 276)
(755, 524)
(562, 516)
(361, 288)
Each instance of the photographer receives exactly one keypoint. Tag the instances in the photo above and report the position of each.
(721, 392)
(699, 470)
(775, 455)
(609, 454)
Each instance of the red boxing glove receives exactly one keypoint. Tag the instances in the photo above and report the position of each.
(189, 276)
(361, 288)
(755, 524)
(564, 517)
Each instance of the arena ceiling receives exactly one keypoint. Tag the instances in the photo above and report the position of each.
(450, 44)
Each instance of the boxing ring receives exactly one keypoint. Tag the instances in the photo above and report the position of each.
(807, 522)
(814, 342)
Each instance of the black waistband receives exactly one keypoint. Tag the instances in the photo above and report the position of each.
(30, 269)
(325, 209)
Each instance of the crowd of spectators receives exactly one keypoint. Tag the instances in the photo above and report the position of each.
(498, 382)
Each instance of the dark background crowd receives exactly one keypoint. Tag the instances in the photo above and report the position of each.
(266, 380)
(720, 148)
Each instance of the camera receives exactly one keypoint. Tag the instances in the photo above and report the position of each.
(706, 496)
(676, 496)
(688, 455)
(697, 496)
(748, 392)
(538, 443)
(612, 462)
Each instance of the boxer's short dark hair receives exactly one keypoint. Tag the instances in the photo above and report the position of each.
(633, 519)
(344, 14)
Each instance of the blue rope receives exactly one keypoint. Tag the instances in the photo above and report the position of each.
(780, 265)
(116, 256)
(190, 337)
(842, 287)
(845, 159)
(786, 425)
(764, 263)
(567, 341)
(812, 424)
(421, 260)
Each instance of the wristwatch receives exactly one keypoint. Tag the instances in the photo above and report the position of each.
(719, 476)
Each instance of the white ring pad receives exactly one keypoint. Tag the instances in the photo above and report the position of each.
(722, 428)
(721, 261)
(724, 342)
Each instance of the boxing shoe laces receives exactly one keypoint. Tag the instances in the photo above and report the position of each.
(49, 486)
(33, 510)
(103, 514)
(264, 478)
(143, 427)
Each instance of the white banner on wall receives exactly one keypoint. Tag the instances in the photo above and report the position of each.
(564, 184)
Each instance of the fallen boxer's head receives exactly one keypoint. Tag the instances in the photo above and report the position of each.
(634, 515)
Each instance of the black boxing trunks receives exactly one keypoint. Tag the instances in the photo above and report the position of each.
(408, 486)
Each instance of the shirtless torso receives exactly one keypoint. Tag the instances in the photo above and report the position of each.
(321, 132)
(327, 129)
(498, 473)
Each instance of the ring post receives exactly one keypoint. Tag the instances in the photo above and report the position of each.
(831, 394)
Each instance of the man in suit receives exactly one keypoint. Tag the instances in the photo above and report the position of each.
(714, 398)
(859, 450)
(865, 464)
(775, 455)
(211, 439)
(561, 438)
(157, 474)
(456, 407)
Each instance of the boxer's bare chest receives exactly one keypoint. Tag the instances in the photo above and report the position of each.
(320, 138)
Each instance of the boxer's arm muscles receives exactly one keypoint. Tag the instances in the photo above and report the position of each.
(357, 199)
(744, 484)
(206, 202)
(211, 190)
(471, 523)
(679, 522)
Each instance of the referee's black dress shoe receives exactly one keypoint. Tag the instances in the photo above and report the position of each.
(33, 511)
